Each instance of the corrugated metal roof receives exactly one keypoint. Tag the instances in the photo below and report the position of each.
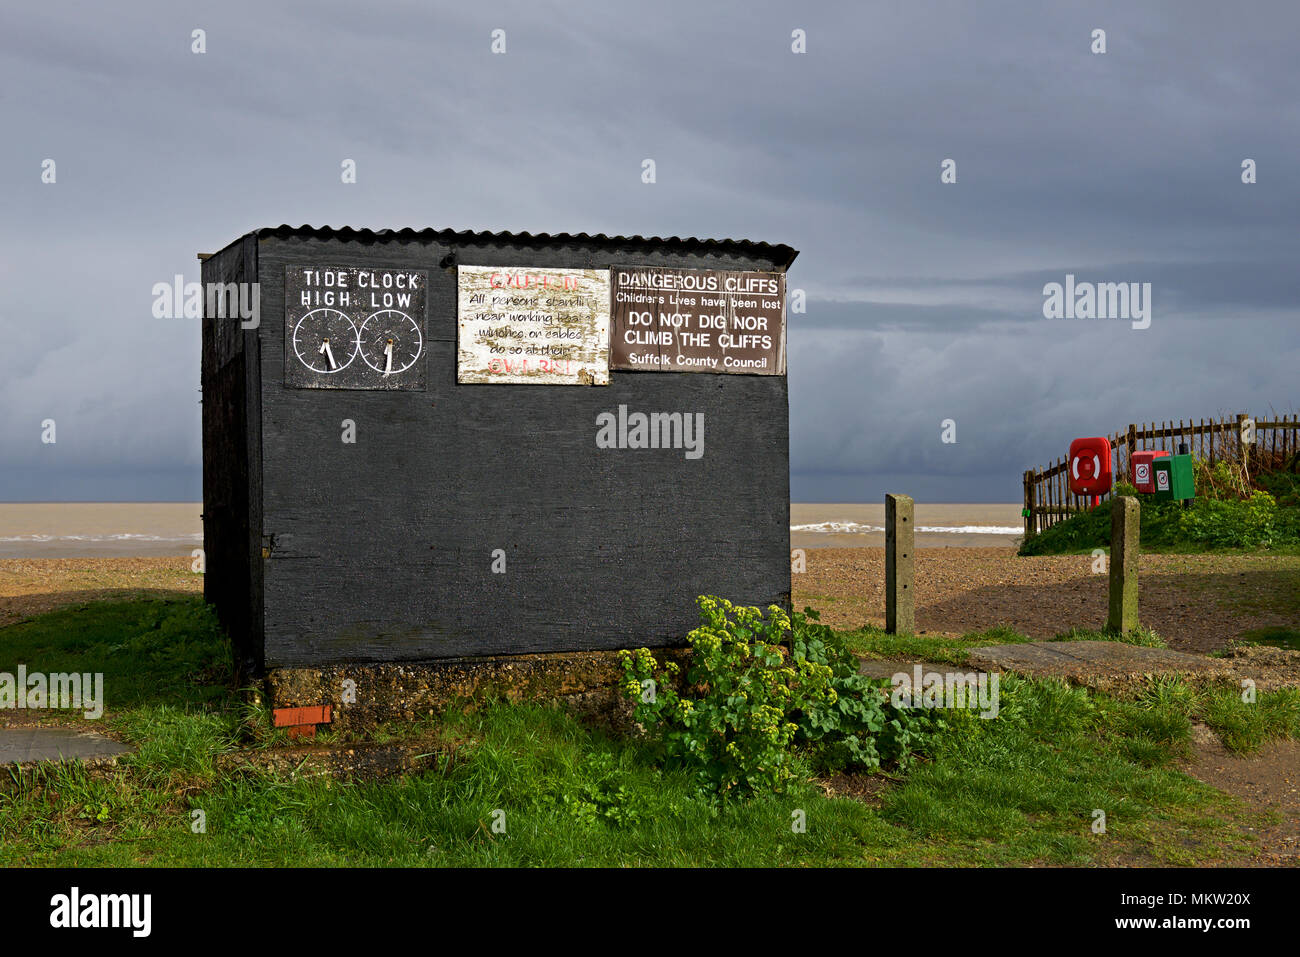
(779, 253)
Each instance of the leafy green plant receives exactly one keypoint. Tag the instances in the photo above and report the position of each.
(1223, 480)
(1228, 524)
(602, 795)
(100, 814)
(1283, 486)
(856, 727)
(766, 700)
(1255, 522)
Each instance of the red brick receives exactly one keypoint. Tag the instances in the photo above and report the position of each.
(315, 714)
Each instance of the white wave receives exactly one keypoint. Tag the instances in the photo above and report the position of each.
(838, 528)
(974, 529)
(116, 537)
(856, 528)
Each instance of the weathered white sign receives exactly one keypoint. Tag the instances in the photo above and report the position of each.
(532, 325)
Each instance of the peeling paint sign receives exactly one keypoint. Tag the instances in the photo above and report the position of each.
(532, 326)
(697, 320)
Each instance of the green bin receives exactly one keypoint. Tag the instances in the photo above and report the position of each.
(1174, 478)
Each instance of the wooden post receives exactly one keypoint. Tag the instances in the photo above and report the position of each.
(1125, 514)
(1245, 449)
(900, 611)
(1050, 515)
(1132, 447)
(1038, 488)
(1029, 504)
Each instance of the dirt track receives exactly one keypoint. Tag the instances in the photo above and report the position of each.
(1195, 602)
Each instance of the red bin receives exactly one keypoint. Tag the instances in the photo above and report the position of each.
(1141, 470)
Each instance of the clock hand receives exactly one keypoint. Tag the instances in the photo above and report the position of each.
(388, 360)
(329, 354)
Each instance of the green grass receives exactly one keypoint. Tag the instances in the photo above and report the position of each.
(872, 642)
(1020, 789)
(161, 652)
(1208, 525)
(1141, 635)
(1280, 637)
(1247, 727)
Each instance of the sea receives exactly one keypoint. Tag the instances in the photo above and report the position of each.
(134, 529)
(99, 529)
(937, 526)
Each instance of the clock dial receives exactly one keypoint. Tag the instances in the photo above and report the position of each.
(325, 340)
(390, 341)
(335, 313)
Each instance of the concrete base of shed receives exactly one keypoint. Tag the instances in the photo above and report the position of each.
(364, 695)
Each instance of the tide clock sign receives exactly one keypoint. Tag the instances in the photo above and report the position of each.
(354, 327)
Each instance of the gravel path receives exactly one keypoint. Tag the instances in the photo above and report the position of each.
(31, 586)
(1195, 602)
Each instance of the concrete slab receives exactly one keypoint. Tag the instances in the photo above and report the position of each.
(30, 745)
(888, 667)
(1097, 664)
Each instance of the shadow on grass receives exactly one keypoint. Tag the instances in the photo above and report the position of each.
(15, 609)
(156, 651)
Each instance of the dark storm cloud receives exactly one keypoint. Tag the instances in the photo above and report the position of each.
(1232, 289)
(924, 300)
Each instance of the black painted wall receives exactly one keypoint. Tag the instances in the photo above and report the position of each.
(381, 550)
(232, 497)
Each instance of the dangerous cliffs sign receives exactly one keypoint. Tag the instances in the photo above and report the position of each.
(697, 320)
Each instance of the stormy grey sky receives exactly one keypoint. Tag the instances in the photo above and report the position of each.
(924, 299)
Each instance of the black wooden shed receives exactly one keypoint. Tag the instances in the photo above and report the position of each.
(465, 520)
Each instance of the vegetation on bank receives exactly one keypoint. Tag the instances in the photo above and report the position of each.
(766, 702)
(1233, 509)
(1018, 789)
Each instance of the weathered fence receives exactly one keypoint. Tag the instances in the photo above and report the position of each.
(1048, 498)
